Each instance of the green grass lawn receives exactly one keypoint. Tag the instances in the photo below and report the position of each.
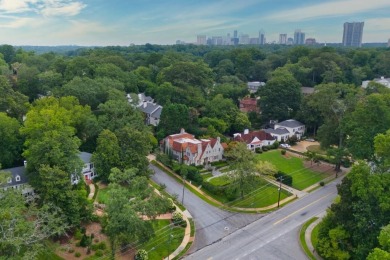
(266, 194)
(220, 180)
(166, 240)
(102, 196)
(206, 175)
(293, 166)
(314, 235)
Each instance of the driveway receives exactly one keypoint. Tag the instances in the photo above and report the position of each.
(302, 145)
(211, 223)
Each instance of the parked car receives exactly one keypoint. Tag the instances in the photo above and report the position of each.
(285, 146)
(310, 140)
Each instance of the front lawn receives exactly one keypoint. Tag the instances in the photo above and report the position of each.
(302, 177)
(166, 240)
(316, 148)
(220, 180)
(266, 194)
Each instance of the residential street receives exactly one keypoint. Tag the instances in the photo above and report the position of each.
(275, 236)
(212, 224)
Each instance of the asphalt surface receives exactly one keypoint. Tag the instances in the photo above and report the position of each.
(274, 236)
(211, 223)
(226, 235)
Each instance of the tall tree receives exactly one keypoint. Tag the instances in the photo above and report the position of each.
(106, 155)
(11, 142)
(280, 98)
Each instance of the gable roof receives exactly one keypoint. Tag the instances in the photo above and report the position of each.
(17, 171)
(278, 131)
(249, 137)
(85, 157)
(290, 123)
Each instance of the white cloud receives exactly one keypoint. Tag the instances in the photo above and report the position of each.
(377, 24)
(43, 7)
(329, 9)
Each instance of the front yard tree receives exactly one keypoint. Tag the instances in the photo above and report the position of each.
(106, 155)
(124, 211)
(24, 226)
(243, 167)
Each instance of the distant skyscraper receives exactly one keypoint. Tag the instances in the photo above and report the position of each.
(299, 37)
(290, 41)
(201, 40)
(235, 39)
(282, 38)
(310, 41)
(388, 43)
(244, 39)
(353, 34)
(261, 38)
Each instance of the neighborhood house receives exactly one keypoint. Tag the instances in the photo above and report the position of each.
(286, 129)
(255, 139)
(151, 110)
(18, 179)
(186, 149)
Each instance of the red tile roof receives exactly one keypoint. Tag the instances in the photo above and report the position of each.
(249, 105)
(248, 138)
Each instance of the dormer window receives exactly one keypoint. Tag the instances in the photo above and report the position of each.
(17, 178)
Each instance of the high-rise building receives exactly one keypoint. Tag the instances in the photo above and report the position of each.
(299, 37)
(282, 38)
(235, 39)
(310, 41)
(261, 38)
(290, 41)
(201, 40)
(353, 34)
(244, 39)
(388, 43)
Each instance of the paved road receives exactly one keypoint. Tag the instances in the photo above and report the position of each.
(212, 224)
(274, 236)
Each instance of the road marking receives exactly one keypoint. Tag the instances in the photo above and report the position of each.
(277, 222)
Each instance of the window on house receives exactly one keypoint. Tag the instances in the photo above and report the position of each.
(17, 178)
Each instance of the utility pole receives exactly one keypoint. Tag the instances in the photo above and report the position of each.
(280, 189)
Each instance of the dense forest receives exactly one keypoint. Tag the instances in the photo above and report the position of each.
(54, 105)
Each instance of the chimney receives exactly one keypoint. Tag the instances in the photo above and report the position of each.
(246, 131)
(25, 163)
(219, 139)
(382, 77)
(182, 131)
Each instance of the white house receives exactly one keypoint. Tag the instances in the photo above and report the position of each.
(17, 180)
(286, 129)
(189, 150)
(255, 139)
(147, 105)
(384, 81)
(254, 86)
(88, 170)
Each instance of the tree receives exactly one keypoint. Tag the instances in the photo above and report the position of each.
(134, 147)
(242, 166)
(12, 102)
(106, 155)
(24, 226)
(173, 118)
(11, 142)
(281, 96)
(123, 223)
(382, 149)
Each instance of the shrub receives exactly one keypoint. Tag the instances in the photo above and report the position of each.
(258, 150)
(71, 250)
(95, 247)
(164, 159)
(322, 183)
(265, 148)
(77, 254)
(283, 152)
(141, 255)
(177, 218)
(286, 179)
(102, 245)
(99, 253)
(85, 241)
(275, 145)
(171, 206)
(78, 235)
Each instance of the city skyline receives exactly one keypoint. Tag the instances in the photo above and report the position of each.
(120, 22)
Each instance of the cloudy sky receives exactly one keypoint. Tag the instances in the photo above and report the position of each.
(121, 22)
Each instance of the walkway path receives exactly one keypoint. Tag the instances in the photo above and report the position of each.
(91, 191)
(308, 232)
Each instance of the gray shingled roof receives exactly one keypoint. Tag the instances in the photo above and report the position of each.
(85, 157)
(157, 113)
(279, 131)
(290, 123)
(17, 171)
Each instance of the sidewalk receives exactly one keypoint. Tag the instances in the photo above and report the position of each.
(308, 232)
(91, 191)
